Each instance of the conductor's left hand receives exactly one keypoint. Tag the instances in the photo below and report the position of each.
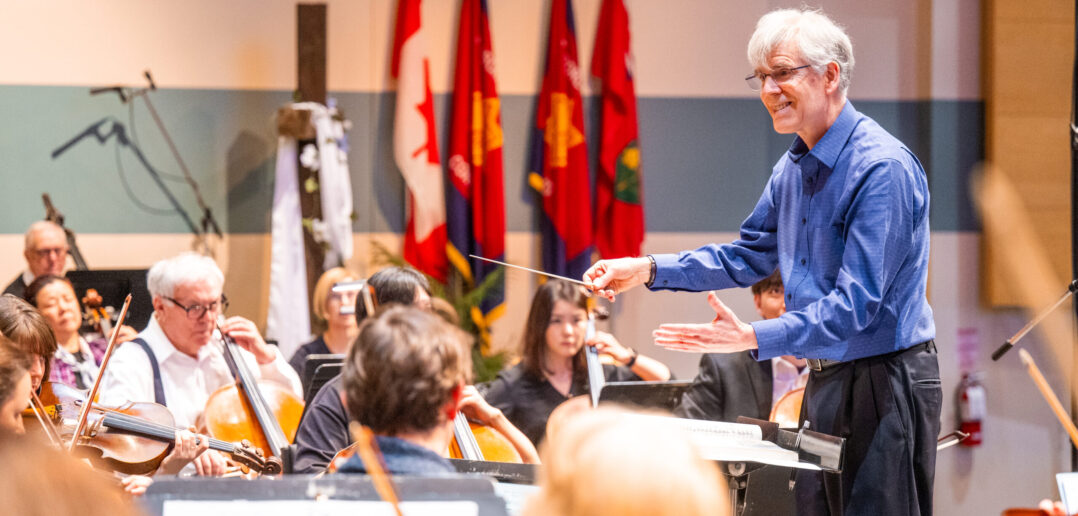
(725, 334)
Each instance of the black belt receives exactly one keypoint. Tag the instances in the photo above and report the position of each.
(819, 364)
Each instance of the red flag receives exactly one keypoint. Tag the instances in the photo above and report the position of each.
(619, 199)
(559, 169)
(415, 145)
(475, 199)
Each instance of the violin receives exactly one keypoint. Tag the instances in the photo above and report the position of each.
(133, 438)
(787, 410)
(95, 313)
(261, 412)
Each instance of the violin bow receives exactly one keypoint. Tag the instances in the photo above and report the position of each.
(84, 414)
(1049, 395)
(372, 460)
(39, 413)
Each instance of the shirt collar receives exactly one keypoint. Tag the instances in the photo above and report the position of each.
(830, 146)
(158, 341)
(28, 277)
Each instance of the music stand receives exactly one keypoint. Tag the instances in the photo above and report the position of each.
(317, 371)
(114, 285)
(656, 395)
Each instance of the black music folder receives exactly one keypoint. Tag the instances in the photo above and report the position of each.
(656, 395)
(114, 285)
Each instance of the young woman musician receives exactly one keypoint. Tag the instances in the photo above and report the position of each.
(552, 367)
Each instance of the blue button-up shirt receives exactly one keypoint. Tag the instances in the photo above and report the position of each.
(846, 224)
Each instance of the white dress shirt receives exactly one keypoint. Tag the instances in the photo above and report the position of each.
(785, 377)
(187, 381)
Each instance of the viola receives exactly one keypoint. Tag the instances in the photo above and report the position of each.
(132, 438)
(261, 412)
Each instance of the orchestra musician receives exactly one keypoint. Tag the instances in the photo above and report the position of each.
(729, 385)
(844, 216)
(340, 328)
(14, 385)
(176, 361)
(552, 366)
(45, 250)
(28, 331)
(324, 429)
(406, 379)
(77, 358)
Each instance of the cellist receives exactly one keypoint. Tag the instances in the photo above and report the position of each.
(172, 362)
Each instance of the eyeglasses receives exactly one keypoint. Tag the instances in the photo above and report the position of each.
(42, 253)
(197, 311)
(779, 75)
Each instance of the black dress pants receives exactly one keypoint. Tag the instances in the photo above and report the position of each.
(888, 409)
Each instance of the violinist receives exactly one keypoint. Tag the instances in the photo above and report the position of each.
(175, 360)
(552, 366)
(45, 252)
(406, 379)
(729, 385)
(340, 328)
(14, 386)
(29, 332)
(77, 359)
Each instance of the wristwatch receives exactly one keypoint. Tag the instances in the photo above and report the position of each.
(651, 276)
(632, 360)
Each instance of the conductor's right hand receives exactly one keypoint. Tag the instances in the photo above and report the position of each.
(608, 278)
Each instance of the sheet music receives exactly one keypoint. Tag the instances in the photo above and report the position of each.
(733, 442)
(315, 508)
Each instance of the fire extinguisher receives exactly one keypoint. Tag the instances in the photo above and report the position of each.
(971, 408)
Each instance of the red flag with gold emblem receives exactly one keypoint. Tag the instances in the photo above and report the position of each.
(619, 198)
(475, 197)
(559, 164)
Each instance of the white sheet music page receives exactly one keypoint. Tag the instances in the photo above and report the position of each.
(315, 508)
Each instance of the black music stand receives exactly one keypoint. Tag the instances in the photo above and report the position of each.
(311, 366)
(655, 395)
(114, 285)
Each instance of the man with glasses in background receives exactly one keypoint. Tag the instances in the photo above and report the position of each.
(177, 359)
(844, 217)
(45, 251)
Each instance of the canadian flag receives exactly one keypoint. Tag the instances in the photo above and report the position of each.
(415, 146)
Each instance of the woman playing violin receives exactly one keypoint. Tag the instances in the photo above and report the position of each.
(552, 367)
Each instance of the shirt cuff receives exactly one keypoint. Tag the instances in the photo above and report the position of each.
(770, 338)
(666, 271)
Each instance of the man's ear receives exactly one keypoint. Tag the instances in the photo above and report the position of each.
(158, 304)
(757, 300)
(833, 76)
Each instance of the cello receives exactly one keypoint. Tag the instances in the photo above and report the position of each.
(262, 412)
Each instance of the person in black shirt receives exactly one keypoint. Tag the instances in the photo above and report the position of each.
(340, 328)
(552, 367)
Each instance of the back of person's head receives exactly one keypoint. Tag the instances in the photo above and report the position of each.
(397, 285)
(14, 363)
(27, 329)
(768, 283)
(543, 302)
(402, 370)
(184, 268)
(42, 481)
(609, 461)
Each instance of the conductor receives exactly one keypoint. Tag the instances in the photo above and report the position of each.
(844, 217)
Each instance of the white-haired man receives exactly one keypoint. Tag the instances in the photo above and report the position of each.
(176, 361)
(844, 217)
(45, 250)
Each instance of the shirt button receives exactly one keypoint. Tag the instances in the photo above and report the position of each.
(802, 261)
(789, 296)
(804, 220)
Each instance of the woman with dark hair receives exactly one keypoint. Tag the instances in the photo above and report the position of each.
(552, 367)
(77, 360)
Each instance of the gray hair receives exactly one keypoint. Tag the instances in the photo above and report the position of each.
(820, 40)
(38, 227)
(188, 267)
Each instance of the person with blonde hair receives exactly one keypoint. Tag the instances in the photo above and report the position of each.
(340, 328)
(610, 461)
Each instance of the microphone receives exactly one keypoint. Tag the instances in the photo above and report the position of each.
(107, 89)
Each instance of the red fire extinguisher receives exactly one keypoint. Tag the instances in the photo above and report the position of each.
(971, 408)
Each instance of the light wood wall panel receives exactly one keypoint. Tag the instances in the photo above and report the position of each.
(1028, 52)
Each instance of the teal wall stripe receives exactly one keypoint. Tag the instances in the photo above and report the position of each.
(705, 160)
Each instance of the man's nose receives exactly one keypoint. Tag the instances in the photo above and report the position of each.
(769, 86)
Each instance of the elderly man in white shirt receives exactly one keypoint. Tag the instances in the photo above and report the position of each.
(180, 338)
